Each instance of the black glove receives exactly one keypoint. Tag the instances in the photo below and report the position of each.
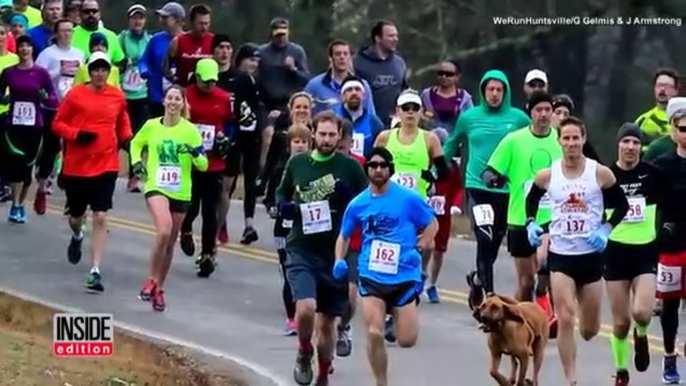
(341, 194)
(138, 170)
(86, 137)
(493, 179)
(273, 212)
(288, 210)
(428, 176)
(222, 145)
(188, 149)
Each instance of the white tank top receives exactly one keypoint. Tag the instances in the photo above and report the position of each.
(577, 209)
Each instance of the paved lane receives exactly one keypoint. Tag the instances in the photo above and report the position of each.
(239, 310)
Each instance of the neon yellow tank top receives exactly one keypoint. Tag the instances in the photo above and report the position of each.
(409, 161)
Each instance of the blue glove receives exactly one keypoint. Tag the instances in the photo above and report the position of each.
(598, 239)
(288, 210)
(533, 234)
(340, 270)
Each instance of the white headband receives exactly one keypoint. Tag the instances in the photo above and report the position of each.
(351, 84)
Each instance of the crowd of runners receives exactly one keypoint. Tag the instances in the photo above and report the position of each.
(361, 174)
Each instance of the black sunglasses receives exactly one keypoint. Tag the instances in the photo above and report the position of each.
(410, 107)
(681, 129)
(90, 11)
(374, 165)
(446, 73)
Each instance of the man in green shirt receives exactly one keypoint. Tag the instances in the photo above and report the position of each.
(315, 189)
(653, 123)
(90, 23)
(516, 160)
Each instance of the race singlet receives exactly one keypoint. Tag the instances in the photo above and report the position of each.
(384, 257)
(637, 210)
(438, 204)
(408, 180)
(24, 114)
(316, 217)
(358, 144)
(132, 79)
(169, 178)
(575, 226)
(207, 133)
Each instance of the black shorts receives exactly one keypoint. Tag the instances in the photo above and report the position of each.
(21, 147)
(175, 206)
(353, 269)
(95, 192)
(518, 241)
(583, 269)
(626, 261)
(395, 295)
(311, 277)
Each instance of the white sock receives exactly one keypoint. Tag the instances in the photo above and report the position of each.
(95, 270)
(78, 236)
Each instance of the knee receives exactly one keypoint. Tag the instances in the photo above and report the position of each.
(588, 332)
(306, 308)
(375, 335)
(164, 233)
(407, 341)
(527, 281)
(99, 218)
(565, 316)
(642, 313)
(621, 327)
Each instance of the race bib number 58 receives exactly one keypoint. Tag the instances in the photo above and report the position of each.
(668, 279)
(637, 208)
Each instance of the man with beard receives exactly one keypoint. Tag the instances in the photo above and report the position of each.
(366, 125)
(315, 190)
(653, 123)
(186, 49)
(391, 217)
(90, 24)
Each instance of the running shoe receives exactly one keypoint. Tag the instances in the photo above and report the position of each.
(158, 303)
(74, 249)
(13, 217)
(670, 373)
(223, 235)
(432, 294)
(622, 378)
(249, 236)
(21, 215)
(148, 290)
(205, 265)
(641, 352)
(344, 344)
(5, 193)
(389, 333)
(291, 328)
(187, 244)
(476, 292)
(302, 372)
(94, 282)
(40, 202)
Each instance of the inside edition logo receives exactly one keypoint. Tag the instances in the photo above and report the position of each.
(82, 335)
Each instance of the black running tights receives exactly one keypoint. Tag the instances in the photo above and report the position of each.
(206, 190)
(287, 295)
(669, 319)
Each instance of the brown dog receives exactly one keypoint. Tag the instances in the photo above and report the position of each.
(517, 329)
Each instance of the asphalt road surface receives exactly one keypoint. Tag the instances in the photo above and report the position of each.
(239, 311)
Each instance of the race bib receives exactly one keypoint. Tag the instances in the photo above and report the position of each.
(316, 217)
(668, 279)
(574, 227)
(358, 144)
(169, 178)
(483, 215)
(637, 210)
(438, 204)
(287, 224)
(544, 203)
(207, 132)
(279, 242)
(384, 257)
(24, 114)
(132, 79)
(408, 180)
(64, 85)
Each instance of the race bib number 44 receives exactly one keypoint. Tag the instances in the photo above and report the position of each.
(637, 210)
(316, 217)
(207, 133)
(384, 257)
(24, 114)
(668, 279)
(169, 178)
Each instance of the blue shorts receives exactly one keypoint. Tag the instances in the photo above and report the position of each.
(394, 295)
(311, 277)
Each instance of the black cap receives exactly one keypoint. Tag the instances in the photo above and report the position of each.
(565, 100)
(382, 152)
(629, 129)
(247, 50)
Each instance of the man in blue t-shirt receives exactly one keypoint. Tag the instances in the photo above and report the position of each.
(390, 263)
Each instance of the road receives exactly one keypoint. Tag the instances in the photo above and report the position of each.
(238, 310)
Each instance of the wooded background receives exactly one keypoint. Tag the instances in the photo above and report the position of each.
(608, 71)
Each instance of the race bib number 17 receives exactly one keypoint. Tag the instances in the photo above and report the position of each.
(316, 217)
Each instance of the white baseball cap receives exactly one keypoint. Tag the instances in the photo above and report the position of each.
(674, 106)
(409, 97)
(98, 56)
(536, 75)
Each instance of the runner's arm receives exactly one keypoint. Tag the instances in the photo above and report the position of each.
(613, 195)
(284, 192)
(124, 132)
(538, 190)
(382, 139)
(62, 124)
(166, 63)
(452, 144)
(139, 142)
(195, 140)
(348, 224)
(423, 217)
(143, 66)
(49, 89)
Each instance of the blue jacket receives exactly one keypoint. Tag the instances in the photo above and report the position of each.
(326, 93)
(368, 125)
(150, 64)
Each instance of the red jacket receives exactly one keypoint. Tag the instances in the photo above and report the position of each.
(210, 110)
(451, 188)
(356, 238)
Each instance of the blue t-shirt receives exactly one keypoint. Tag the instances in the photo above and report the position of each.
(390, 227)
(41, 38)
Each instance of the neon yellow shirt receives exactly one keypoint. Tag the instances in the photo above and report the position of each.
(33, 15)
(82, 76)
(6, 61)
(168, 166)
(653, 124)
(81, 39)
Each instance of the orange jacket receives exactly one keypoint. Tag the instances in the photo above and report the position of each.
(102, 112)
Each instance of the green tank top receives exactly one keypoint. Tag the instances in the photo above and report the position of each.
(409, 161)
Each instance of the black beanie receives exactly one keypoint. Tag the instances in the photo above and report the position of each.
(538, 97)
(382, 152)
(247, 50)
(219, 39)
(629, 130)
(563, 100)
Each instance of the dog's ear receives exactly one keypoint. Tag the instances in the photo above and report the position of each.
(512, 312)
(507, 300)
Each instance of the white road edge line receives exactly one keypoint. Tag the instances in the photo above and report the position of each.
(258, 369)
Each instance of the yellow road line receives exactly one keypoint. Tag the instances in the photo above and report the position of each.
(257, 254)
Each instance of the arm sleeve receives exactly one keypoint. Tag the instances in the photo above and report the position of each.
(615, 198)
(451, 145)
(61, 125)
(124, 132)
(49, 89)
(195, 140)
(442, 168)
(284, 192)
(302, 70)
(533, 199)
(349, 223)
(139, 141)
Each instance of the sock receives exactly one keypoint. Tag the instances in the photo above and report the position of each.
(324, 367)
(642, 330)
(78, 236)
(544, 302)
(95, 270)
(305, 345)
(620, 352)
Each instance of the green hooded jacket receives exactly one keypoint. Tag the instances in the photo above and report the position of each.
(483, 127)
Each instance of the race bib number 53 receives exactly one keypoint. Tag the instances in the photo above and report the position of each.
(384, 257)
(668, 279)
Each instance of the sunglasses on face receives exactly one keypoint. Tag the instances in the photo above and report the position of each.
(375, 165)
(90, 11)
(681, 129)
(448, 74)
(413, 107)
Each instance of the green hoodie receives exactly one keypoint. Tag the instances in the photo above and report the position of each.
(483, 127)
(133, 46)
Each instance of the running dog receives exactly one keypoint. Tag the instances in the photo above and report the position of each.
(517, 329)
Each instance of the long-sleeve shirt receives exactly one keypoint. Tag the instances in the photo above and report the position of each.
(102, 112)
(25, 87)
(62, 65)
(277, 80)
(150, 64)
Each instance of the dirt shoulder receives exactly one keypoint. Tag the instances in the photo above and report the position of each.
(26, 357)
